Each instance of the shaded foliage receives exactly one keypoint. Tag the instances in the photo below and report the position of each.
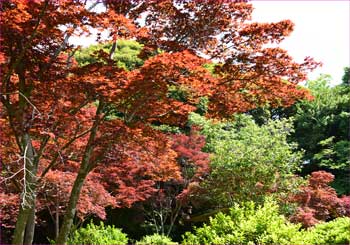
(322, 130)
(171, 204)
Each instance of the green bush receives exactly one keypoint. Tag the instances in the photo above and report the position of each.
(247, 224)
(251, 224)
(98, 234)
(254, 159)
(334, 232)
(156, 239)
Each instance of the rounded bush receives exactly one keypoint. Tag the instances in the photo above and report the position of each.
(336, 231)
(251, 224)
(156, 239)
(98, 234)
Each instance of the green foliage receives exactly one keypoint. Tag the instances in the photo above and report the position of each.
(210, 67)
(156, 239)
(125, 55)
(321, 129)
(167, 128)
(178, 93)
(98, 234)
(334, 232)
(325, 116)
(333, 155)
(346, 76)
(252, 224)
(247, 224)
(202, 106)
(248, 160)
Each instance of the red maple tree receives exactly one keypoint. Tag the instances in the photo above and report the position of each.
(55, 117)
(317, 201)
(171, 200)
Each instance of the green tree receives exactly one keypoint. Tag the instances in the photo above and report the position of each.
(322, 130)
(125, 54)
(346, 76)
(248, 160)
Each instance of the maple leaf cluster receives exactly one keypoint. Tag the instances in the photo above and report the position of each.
(317, 201)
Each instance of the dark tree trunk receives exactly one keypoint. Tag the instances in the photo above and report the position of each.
(85, 167)
(71, 208)
(20, 228)
(30, 227)
(25, 220)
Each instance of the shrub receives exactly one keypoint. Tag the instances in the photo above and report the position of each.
(245, 224)
(318, 201)
(256, 160)
(98, 234)
(334, 232)
(251, 224)
(156, 239)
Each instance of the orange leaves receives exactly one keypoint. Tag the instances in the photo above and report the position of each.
(179, 25)
(118, 25)
(16, 13)
(98, 80)
(265, 32)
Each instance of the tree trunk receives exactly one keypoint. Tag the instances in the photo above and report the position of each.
(85, 168)
(25, 219)
(57, 221)
(71, 209)
(20, 228)
(30, 227)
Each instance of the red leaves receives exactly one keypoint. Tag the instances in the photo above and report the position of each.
(259, 77)
(9, 205)
(138, 158)
(266, 32)
(190, 154)
(319, 202)
(147, 98)
(56, 190)
(55, 103)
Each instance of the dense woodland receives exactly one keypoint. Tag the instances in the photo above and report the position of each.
(186, 124)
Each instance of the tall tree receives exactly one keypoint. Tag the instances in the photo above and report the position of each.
(55, 112)
(249, 161)
(322, 130)
(125, 54)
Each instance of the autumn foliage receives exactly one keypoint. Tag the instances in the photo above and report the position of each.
(317, 201)
(82, 137)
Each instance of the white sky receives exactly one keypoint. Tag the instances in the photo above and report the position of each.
(322, 31)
